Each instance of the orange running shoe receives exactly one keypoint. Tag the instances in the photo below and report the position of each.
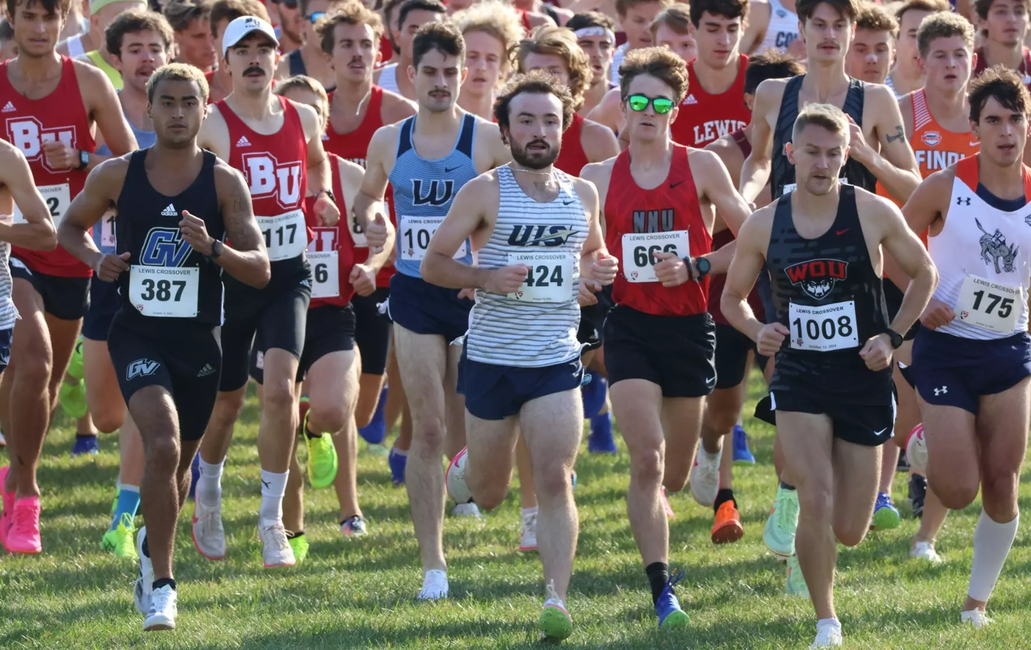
(727, 527)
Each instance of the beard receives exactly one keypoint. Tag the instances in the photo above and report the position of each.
(536, 159)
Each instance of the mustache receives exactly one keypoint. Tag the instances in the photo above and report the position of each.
(253, 68)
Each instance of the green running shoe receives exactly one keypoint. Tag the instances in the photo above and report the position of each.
(120, 540)
(300, 546)
(779, 533)
(322, 459)
(554, 622)
(72, 398)
(75, 363)
(796, 581)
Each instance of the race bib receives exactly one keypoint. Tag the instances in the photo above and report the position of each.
(358, 233)
(325, 274)
(107, 230)
(639, 249)
(823, 328)
(415, 236)
(57, 198)
(550, 278)
(285, 236)
(989, 305)
(164, 291)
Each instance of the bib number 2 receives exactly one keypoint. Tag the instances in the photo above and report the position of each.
(57, 198)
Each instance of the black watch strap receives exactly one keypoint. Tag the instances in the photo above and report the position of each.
(216, 249)
(895, 337)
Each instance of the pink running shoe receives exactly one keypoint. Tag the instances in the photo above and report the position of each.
(8, 506)
(23, 536)
(665, 503)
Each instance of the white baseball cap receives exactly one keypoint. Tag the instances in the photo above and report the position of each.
(241, 27)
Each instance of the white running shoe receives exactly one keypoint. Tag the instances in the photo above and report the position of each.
(925, 551)
(163, 610)
(208, 534)
(275, 547)
(528, 535)
(705, 477)
(916, 450)
(141, 594)
(976, 617)
(434, 585)
(827, 637)
(466, 510)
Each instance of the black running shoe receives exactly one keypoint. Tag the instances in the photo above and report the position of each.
(917, 493)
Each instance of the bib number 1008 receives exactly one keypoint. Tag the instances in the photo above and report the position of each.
(827, 328)
(823, 328)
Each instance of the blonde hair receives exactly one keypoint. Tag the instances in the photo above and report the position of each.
(561, 42)
(303, 82)
(495, 18)
(823, 115)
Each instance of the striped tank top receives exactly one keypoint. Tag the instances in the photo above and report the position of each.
(8, 312)
(423, 191)
(536, 326)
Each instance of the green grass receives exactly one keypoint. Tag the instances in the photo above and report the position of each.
(360, 593)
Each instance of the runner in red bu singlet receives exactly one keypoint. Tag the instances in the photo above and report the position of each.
(278, 148)
(659, 201)
(48, 106)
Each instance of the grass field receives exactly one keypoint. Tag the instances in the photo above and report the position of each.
(359, 593)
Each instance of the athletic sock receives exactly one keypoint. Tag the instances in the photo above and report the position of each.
(787, 487)
(128, 502)
(658, 576)
(209, 483)
(290, 535)
(273, 487)
(164, 582)
(724, 495)
(526, 512)
(992, 543)
(832, 623)
(601, 426)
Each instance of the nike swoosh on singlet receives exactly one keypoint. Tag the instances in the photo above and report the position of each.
(448, 170)
(975, 144)
(839, 233)
(567, 203)
(673, 185)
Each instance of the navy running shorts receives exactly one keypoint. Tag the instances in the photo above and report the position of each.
(329, 329)
(64, 298)
(425, 308)
(372, 331)
(495, 392)
(104, 303)
(870, 425)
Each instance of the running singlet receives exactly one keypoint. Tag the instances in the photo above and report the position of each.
(640, 222)
(705, 118)
(112, 73)
(1023, 70)
(276, 170)
(983, 255)
(167, 279)
(388, 78)
(535, 326)
(827, 293)
(782, 178)
(331, 252)
(423, 191)
(28, 124)
(104, 230)
(936, 148)
(571, 158)
(782, 29)
(297, 67)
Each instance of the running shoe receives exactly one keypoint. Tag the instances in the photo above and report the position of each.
(885, 514)
(555, 622)
(916, 449)
(377, 450)
(665, 503)
(976, 617)
(466, 510)
(275, 549)
(779, 533)
(827, 637)
(600, 440)
(528, 533)
(925, 551)
(903, 464)
(727, 526)
(75, 363)
(120, 540)
(353, 526)
(72, 398)
(208, 534)
(8, 506)
(145, 580)
(705, 477)
(85, 445)
(434, 585)
(322, 459)
(671, 616)
(23, 535)
(796, 585)
(917, 493)
(397, 461)
(163, 610)
(742, 454)
(299, 544)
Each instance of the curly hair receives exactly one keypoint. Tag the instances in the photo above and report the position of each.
(538, 82)
(560, 42)
(658, 62)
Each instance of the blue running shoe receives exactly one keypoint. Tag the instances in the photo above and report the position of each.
(600, 441)
(885, 514)
(397, 460)
(194, 474)
(668, 607)
(742, 454)
(593, 393)
(85, 445)
(376, 430)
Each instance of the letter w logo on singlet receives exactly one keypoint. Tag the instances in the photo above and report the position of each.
(164, 247)
(432, 196)
(266, 177)
(28, 134)
(817, 277)
(653, 220)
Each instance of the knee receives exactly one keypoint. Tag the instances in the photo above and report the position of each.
(330, 419)
(955, 490)
(816, 503)
(228, 408)
(552, 481)
(851, 533)
(107, 420)
(278, 396)
(428, 439)
(999, 495)
(488, 492)
(646, 465)
(722, 419)
(162, 453)
(35, 367)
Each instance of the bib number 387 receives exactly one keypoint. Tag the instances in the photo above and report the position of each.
(639, 252)
(163, 291)
(823, 328)
(989, 305)
(550, 278)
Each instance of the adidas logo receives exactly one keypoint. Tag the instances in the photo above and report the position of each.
(8, 108)
(170, 211)
(243, 142)
(690, 100)
(206, 370)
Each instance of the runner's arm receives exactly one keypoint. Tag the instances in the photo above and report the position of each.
(755, 171)
(909, 253)
(894, 165)
(350, 180)
(320, 172)
(38, 233)
(744, 270)
(755, 29)
(374, 181)
(718, 188)
(107, 112)
(921, 211)
(597, 267)
(102, 188)
(247, 259)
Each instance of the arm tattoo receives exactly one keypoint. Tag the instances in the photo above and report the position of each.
(898, 135)
(241, 228)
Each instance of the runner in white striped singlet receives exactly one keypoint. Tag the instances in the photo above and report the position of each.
(541, 253)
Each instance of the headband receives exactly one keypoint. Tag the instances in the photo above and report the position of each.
(597, 30)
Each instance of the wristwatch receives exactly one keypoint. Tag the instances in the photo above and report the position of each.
(83, 160)
(328, 193)
(895, 337)
(703, 266)
(216, 249)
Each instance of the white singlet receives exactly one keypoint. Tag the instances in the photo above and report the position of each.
(782, 30)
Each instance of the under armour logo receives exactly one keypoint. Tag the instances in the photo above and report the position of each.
(962, 200)
(941, 391)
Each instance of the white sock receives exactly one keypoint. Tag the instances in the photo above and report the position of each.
(828, 622)
(709, 456)
(992, 542)
(209, 483)
(529, 512)
(273, 487)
